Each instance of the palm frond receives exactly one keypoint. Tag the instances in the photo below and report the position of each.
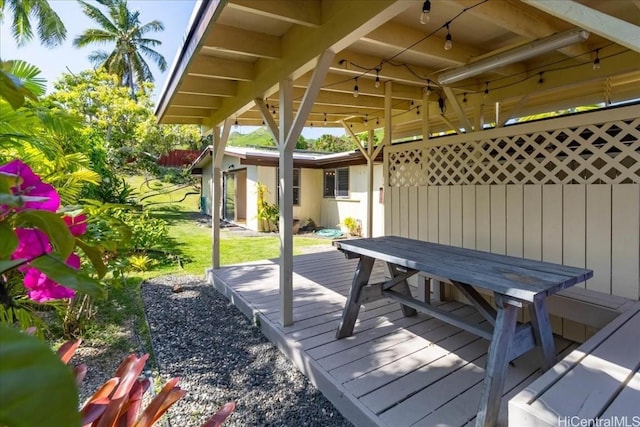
(94, 35)
(28, 75)
(98, 57)
(96, 14)
(142, 70)
(155, 56)
(51, 30)
(153, 26)
(20, 25)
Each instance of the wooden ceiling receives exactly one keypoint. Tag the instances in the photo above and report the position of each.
(237, 51)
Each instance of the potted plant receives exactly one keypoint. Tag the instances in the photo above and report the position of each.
(349, 225)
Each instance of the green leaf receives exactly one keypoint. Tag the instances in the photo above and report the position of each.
(7, 181)
(36, 388)
(95, 256)
(53, 226)
(9, 241)
(58, 271)
(6, 265)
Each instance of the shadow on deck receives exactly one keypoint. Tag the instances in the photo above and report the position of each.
(394, 370)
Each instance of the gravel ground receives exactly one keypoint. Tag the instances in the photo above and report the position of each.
(219, 356)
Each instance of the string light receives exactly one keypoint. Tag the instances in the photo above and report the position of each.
(236, 123)
(356, 90)
(366, 118)
(464, 97)
(377, 83)
(425, 16)
(417, 110)
(486, 90)
(596, 62)
(267, 105)
(441, 104)
(540, 79)
(325, 119)
(448, 44)
(427, 90)
(377, 121)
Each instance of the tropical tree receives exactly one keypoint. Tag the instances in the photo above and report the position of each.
(51, 30)
(123, 28)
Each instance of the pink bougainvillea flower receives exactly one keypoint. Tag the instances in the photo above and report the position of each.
(77, 224)
(43, 289)
(31, 244)
(31, 185)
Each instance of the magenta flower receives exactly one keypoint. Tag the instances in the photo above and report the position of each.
(43, 289)
(31, 185)
(77, 224)
(31, 244)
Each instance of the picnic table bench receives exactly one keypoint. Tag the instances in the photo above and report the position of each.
(600, 380)
(514, 282)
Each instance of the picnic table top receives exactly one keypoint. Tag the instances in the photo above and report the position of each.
(519, 278)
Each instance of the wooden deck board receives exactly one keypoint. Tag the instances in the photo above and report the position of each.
(394, 370)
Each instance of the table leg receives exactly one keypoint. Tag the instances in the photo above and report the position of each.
(402, 288)
(497, 363)
(352, 306)
(542, 332)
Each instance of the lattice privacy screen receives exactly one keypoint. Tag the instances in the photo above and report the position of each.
(607, 153)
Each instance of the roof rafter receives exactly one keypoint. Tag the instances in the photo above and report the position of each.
(242, 42)
(210, 87)
(283, 10)
(220, 68)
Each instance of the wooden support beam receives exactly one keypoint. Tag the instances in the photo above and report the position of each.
(196, 101)
(189, 112)
(386, 140)
(310, 96)
(209, 87)
(219, 144)
(453, 101)
(621, 32)
(335, 82)
(268, 119)
(286, 203)
(515, 110)
(369, 156)
(425, 115)
(355, 139)
(451, 125)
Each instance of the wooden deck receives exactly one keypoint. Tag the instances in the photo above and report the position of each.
(394, 371)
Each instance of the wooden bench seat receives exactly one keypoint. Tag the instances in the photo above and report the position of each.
(600, 379)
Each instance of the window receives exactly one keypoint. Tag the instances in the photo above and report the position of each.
(336, 182)
(296, 186)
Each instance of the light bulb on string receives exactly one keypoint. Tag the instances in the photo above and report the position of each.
(366, 118)
(596, 62)
(417, 110)
(267, 105)
(325, 119)
(377, 83)
(236, 124)
(377, 121)
(441, 104)
(464, 97)
(540, 79)
(486, 90)
(356, 90)
(425, 15)
(448, 43)
(427, 90)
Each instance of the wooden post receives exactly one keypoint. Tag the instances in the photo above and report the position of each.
(286, 203)
(219, 144)
(370, 164)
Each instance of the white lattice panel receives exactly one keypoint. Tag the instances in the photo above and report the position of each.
(606, 153)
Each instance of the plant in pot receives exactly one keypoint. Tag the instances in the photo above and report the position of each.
(349, 225)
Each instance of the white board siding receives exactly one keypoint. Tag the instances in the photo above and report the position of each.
(455, 203)
(533, 222)
(483, 218)
(552, 223)
(423, 213)
(625, 250)
(413, 212)
(433, 209)
(599, 237)
(515, 220)
(498, 219)
(444, 215)
(469, 216)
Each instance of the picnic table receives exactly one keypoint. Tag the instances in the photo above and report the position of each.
(514, 283)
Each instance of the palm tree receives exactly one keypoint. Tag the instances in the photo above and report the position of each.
(51, 30)
(123, 28)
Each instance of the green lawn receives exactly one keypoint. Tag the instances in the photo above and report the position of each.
(190, 232)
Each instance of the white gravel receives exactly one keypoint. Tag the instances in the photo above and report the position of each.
(199, 336)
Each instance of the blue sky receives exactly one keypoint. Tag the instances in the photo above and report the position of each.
(174, 14)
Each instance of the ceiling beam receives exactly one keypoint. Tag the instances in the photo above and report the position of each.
(291, 11)
(196, 101)
(343, 23)
(242, 42)
(345, 60)
(220, 68)
(525, 21)
(210, 87)
(189, 112)
(398, 37)
(621, 32)
(453, 101)
(179, 120)
(339, 83)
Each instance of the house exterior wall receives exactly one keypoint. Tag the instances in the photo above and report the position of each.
(564, 190)
(335, 210)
